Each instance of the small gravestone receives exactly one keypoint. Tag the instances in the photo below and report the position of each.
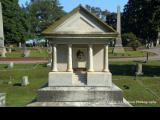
(139, 69)
(152, 45)
(11, 65)
(20, 45)
(2, 99)
(10, 50)
(27, 53)
(25, 81)
(3, 53)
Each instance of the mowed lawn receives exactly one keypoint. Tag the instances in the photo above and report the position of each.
(18, 96)
(136, 90)
(34, 52)
(140, 91)
(42, 52)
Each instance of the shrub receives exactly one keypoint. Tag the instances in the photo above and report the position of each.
(131, 40)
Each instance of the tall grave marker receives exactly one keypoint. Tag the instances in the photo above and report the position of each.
(2, 47)
(118, 45)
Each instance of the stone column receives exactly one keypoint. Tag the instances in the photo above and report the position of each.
(106, 65)
(1, 28)
(54, 58)
(70, 66)
(90, 62)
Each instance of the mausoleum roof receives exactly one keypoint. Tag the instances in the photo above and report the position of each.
(80, 23)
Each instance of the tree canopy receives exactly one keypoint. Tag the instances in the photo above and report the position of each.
(15, 22)
(42, 14)
(141, 17)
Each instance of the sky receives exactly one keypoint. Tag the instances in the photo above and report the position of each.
(110, 5)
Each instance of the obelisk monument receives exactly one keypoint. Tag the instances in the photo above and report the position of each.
(2, 47)
(118, 44)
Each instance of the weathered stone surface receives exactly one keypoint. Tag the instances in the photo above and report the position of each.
(80, 30)
(25, 81)
(11, 65)
(99, 79)
(1, 28)
(139, 69)
(3, 52)
(2, 99)
(80, 96)
(118, 46)
(20, 45)
(60, 79)
(10, 50)
(27, 53)
(79, 104)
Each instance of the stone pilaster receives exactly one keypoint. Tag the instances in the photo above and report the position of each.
(54, 58)
(70, 66)
(90, 69)
(106, 65)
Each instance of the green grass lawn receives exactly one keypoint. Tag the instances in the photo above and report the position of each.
(20, 96)
(42, 52)
(129, 53)
(139, 89)
(144, 88)
(35, 52)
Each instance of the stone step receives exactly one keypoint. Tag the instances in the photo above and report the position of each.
(80, 78)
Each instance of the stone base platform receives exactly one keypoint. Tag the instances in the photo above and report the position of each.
(80, 97)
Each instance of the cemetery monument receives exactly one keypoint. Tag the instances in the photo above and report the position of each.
(118, 44)
(80, 73)
(2, 47)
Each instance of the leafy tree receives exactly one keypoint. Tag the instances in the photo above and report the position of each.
(131, 40)
(15, 22)
(42, 13)
(111, 19)
(142, 18)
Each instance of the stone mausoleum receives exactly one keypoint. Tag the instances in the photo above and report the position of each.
(80, 73)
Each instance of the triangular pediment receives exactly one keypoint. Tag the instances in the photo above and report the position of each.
(79, 24)
(79, 21)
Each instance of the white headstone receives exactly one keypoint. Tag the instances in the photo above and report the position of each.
(27, 53)
(20, 45)
(158, 39)
(25, 81)
(10, 50)
(11, 65)
(3, 52)
(139, 69)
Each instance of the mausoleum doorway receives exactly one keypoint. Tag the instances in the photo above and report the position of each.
(80, 58)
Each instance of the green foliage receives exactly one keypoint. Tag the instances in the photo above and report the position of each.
(141, 17)
(111, 19)
(42, 13)
(132, 40)
(15, 22)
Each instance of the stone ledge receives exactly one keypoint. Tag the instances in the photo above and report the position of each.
(80, 94)
(79, 104)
